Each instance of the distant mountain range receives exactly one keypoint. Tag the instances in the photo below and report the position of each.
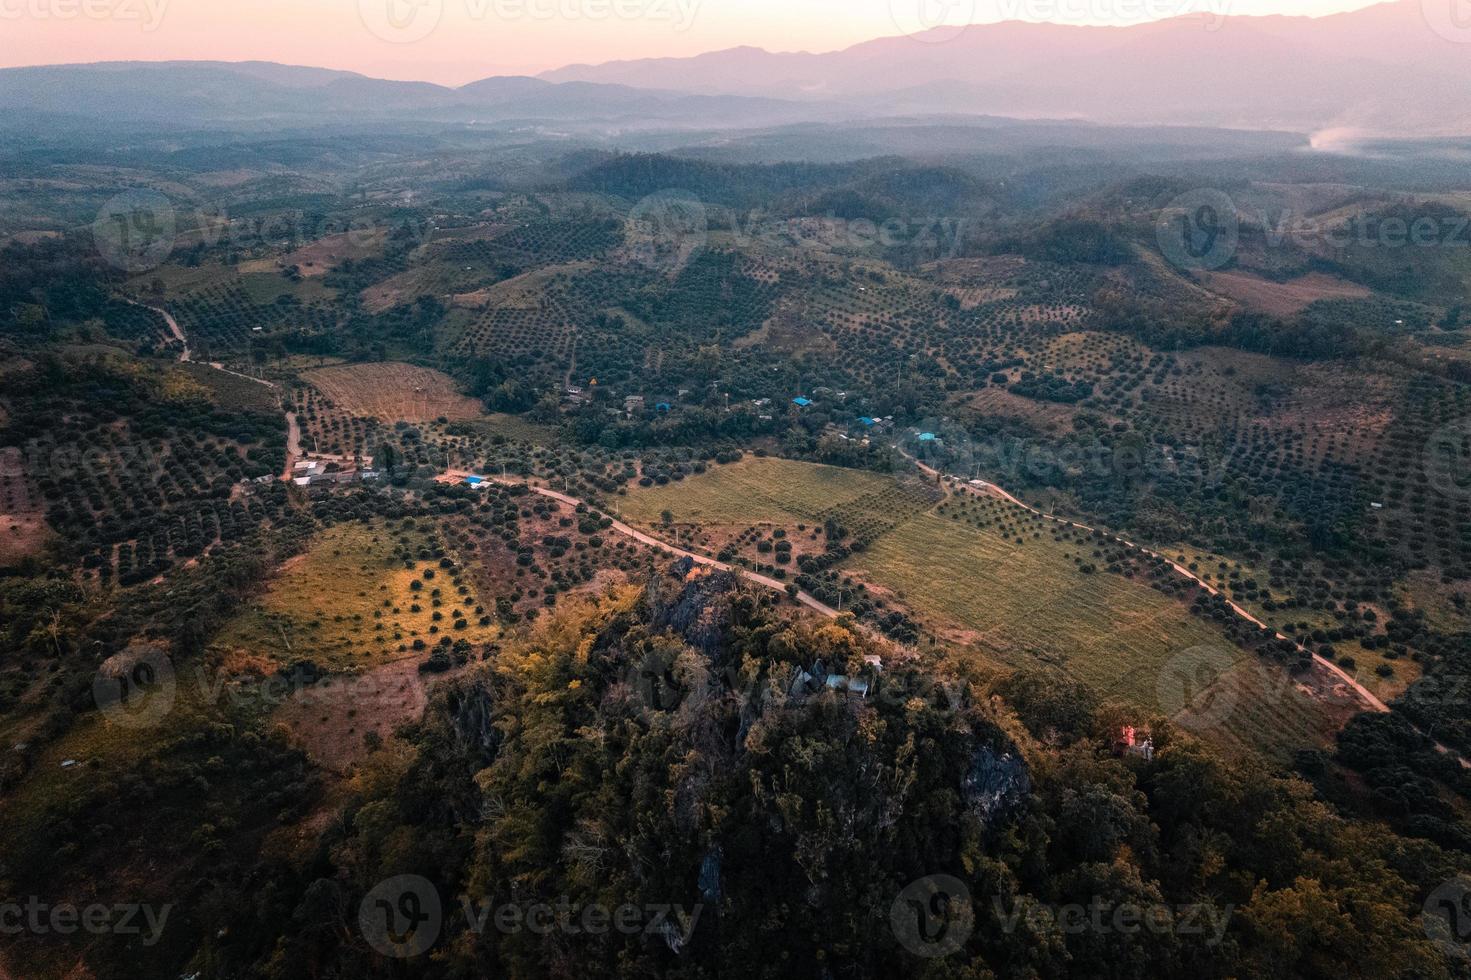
(263, 95)
(1381, 71)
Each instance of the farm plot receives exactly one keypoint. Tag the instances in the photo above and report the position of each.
(363, 595)
(1028, 602)
(394, 392)
(327, 429)
(755, 490)
(1282, 298)
(326, 254)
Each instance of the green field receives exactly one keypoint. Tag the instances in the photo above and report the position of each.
(753, 491)
(1027, 604)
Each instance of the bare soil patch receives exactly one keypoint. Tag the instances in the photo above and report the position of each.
(23, 529)
(326, 254)
(392, 392)
(332, 718)
(1282, 298)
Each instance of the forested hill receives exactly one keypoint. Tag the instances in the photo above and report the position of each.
(683, 747)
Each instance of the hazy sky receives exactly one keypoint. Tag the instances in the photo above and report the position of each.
(454, 41)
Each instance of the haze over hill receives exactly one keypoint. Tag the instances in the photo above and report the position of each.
(1380, 71)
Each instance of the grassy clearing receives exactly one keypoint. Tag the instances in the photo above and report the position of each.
(349, 604)
(516, 429)
(1029, 603)
(753, 491)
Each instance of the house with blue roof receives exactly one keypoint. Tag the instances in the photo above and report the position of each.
(928, 437)
(801, 402)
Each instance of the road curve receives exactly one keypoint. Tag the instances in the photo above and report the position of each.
(457, 476)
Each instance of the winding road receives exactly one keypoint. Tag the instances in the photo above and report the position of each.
(458, 476)
(293, 430)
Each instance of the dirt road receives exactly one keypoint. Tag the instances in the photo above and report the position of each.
(187, 357)
(293, 444)
(293, 431)
(456, 476)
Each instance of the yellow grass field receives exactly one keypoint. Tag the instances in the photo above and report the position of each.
(348, 603)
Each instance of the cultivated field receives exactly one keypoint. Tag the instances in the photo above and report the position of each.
(1256, 708)
(1028, 603)
(755, 490)
(394, 392)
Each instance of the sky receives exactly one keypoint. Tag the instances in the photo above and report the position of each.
(456, 41)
